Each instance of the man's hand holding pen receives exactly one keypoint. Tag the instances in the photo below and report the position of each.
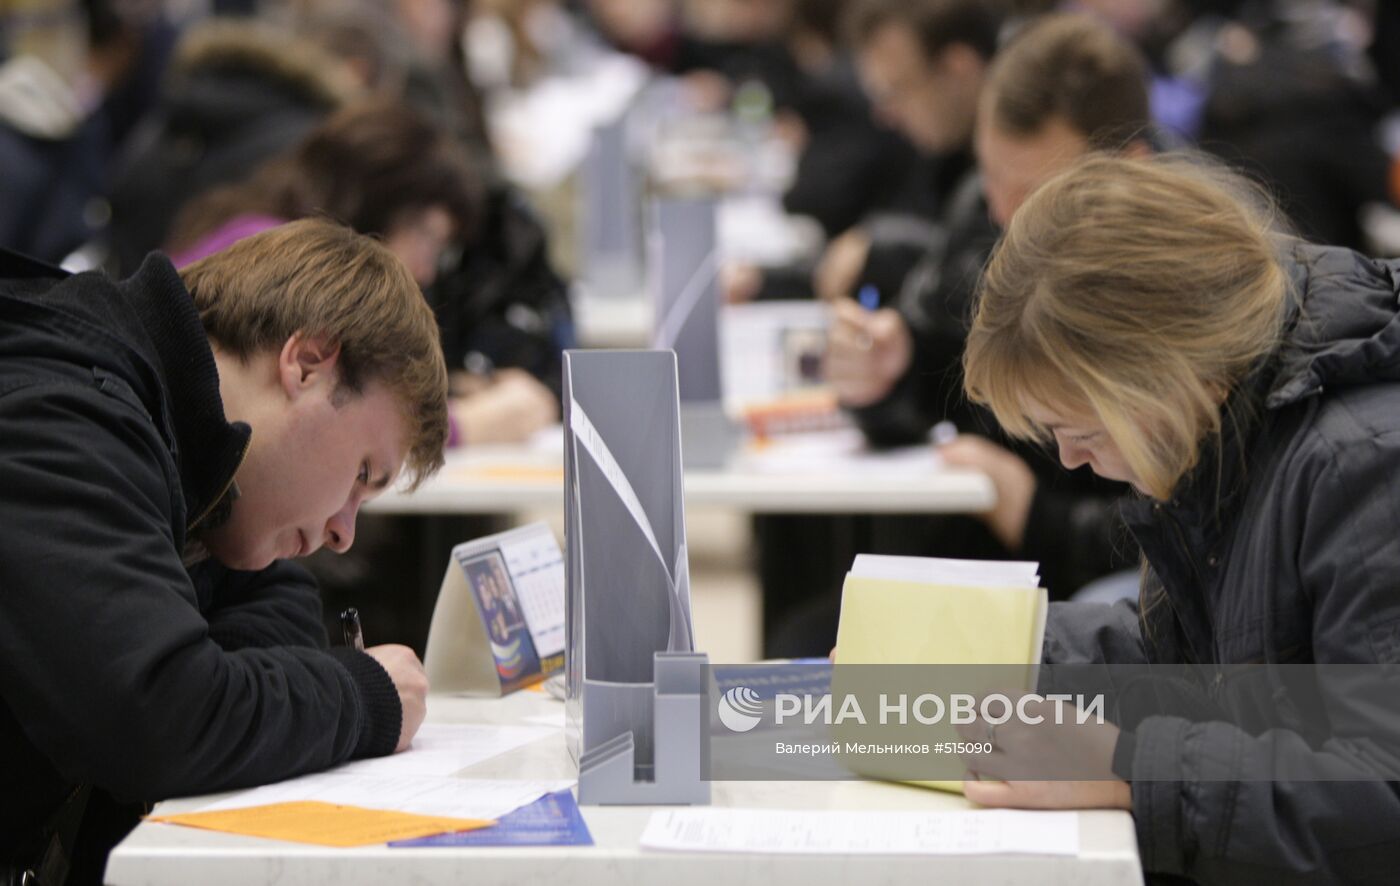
(412, 683)
(403, 668)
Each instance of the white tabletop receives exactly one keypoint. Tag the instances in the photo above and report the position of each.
(168, 854)
(785, 477)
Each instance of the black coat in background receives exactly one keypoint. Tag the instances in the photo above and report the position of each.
(850, 164)
(502, 299)
(230, 102)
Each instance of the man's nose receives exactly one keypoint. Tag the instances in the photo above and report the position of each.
(340, 529)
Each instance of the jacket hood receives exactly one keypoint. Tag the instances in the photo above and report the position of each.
(1344, 324)
(1341, 328)
(250, 59)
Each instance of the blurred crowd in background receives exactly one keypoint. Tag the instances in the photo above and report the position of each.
(115, 114)
(128, 126)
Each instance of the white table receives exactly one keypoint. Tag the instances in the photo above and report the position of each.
(159, 854)
(506, 479)
(611, 321)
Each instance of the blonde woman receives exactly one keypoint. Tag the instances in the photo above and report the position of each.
(1146, 319)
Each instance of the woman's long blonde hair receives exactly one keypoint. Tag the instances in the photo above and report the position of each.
(1139, 291)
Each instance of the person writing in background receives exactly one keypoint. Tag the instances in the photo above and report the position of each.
(1144, 317)
(171, 441)
(923, 65)
(1063, 87)
(391, 172)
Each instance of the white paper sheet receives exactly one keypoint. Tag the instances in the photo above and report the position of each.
(420, 794)
(446, 748)
(981, 832)
(939, 570)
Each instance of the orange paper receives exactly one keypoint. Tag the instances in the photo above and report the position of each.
(324, 824)
(512, 473)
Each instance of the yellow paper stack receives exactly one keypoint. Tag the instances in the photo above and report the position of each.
(926, 611)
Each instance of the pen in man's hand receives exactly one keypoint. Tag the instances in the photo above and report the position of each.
(354, 636)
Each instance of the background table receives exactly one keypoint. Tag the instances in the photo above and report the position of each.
(160, 854)
(503, 479)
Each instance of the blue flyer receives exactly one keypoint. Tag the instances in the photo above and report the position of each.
(552, 820)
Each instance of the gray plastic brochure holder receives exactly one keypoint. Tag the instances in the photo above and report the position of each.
(608, 214)
(611, 774)
(635, 700)
(683, 242)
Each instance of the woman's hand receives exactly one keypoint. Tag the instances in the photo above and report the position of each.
(1078, 756)
(1050, 794)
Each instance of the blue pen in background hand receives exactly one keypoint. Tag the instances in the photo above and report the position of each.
(944, 432)
(868, 297)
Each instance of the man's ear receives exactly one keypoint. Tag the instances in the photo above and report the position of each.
(962, 61)
(306, 362)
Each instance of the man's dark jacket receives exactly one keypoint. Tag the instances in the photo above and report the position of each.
(1282, 546)
(120, 667)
